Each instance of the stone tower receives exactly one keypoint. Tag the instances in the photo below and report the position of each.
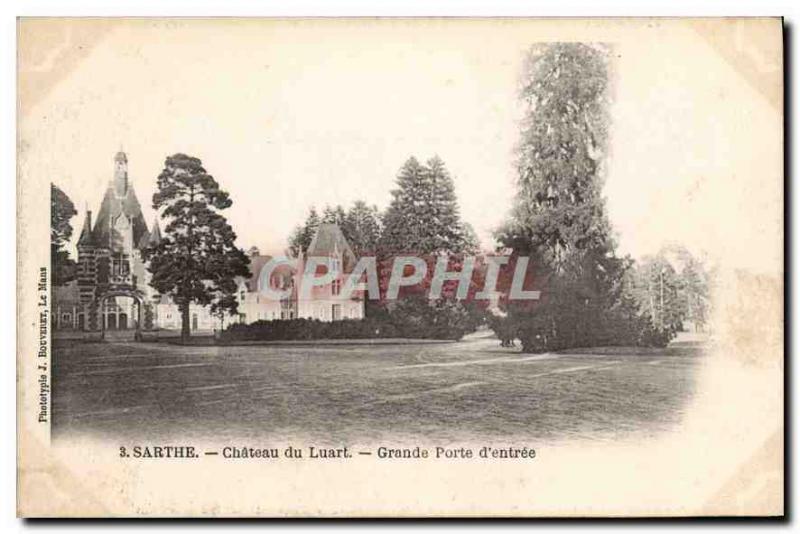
(110, 264)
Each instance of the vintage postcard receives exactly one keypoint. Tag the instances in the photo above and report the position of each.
(400, 267)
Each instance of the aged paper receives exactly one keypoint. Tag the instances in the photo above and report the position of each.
(244, 310)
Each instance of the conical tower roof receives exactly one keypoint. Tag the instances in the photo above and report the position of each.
(330, 241)
(86, 233)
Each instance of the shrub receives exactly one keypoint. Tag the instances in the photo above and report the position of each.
(562, 325)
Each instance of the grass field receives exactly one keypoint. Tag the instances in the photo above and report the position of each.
(469, 390)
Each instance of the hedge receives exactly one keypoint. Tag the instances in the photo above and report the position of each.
(409, 319)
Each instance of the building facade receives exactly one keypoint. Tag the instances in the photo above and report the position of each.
(112, 289)
(323, 302)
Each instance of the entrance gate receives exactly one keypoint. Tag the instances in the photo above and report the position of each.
(124, 321)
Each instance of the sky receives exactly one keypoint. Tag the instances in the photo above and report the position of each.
(290, 114)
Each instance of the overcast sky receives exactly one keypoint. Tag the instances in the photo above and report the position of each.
(289, 115)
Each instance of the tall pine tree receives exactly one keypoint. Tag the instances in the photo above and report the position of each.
(362, 228)
(423, 220)
(558, 206)
(196, 260)
(423, 217)
(334, 215)
(559, 216)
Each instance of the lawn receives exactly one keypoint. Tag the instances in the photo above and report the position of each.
(333, 394)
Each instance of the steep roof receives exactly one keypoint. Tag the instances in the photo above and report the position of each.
(257, 263)
(150, 238)
(330, 240)
(86, 232)
(113, 205)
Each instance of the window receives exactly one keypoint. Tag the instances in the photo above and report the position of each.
(119, 265)
(336, 287)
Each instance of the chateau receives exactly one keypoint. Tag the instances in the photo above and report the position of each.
(324, 302)
(112, 289)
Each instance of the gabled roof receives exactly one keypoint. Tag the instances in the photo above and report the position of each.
(328, 241)
(112, 206)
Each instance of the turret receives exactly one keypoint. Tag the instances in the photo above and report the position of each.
(86, 233)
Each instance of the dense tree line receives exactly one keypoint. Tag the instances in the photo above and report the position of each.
(361, 225)
(422, 220)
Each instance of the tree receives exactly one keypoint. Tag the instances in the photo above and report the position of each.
(470, 237)
(562, 148)
(423, 220)
(362, 228)
(672, 287)
(694, 289)
(223, 287)
(148, 316)
(334, 215)
(62, 210)
(559, 216)
(423, 216)
(302, 235)
(224, 304)
(657, 292)
(196, 259)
